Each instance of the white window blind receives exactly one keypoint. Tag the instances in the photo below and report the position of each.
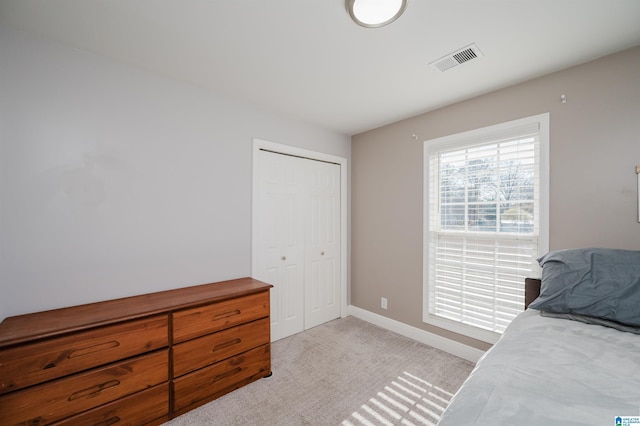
(483, 228)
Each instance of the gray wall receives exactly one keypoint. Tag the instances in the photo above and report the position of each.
(594, 147)
(115, 182)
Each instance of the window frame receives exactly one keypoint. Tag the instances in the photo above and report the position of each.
(470, 138)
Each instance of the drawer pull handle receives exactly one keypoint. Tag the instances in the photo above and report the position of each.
(227, 374)
(226, 344)
(227, 314)
(93, 349)
(93, 390)
(108, 422)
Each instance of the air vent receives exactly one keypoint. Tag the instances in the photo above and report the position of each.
(456, 58)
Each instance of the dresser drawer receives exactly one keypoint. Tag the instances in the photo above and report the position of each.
(197, 353)
(214, 381)
(148, 406)
(62, 398)
(38, 362)
(206, 319)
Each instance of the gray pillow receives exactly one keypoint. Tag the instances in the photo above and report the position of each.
(593, 320)
(601, 283)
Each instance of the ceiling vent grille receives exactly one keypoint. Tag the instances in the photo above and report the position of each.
(456, 58)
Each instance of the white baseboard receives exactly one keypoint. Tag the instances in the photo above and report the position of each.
(455, 348)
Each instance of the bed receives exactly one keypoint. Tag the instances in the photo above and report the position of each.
(572, 357)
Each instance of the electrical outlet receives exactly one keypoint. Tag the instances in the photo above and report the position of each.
(383, 302)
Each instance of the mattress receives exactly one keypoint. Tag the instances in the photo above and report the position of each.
(549, 371)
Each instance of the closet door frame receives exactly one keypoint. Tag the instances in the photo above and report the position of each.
(260, 144)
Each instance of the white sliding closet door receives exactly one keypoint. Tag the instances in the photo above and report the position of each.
(322, 244)
(297, 225)
(281, 238)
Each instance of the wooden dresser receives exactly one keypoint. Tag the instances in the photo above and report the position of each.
(134, 361)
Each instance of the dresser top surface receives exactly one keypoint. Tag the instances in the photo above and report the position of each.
(39, 325)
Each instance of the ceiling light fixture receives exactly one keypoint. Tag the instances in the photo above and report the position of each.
(375, 13)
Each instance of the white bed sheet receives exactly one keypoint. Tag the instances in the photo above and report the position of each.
(547, 371)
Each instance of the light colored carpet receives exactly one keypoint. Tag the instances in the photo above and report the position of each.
(345, 372)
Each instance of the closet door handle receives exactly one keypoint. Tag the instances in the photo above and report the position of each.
(284, 257)
(321, 253)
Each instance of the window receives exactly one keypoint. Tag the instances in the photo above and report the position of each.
(486, 209)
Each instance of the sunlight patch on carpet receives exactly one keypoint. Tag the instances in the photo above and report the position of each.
(407, 400)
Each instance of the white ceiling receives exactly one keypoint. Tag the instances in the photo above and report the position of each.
(306, 58)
